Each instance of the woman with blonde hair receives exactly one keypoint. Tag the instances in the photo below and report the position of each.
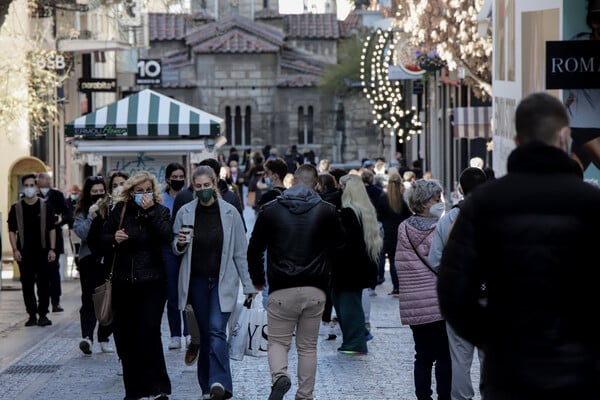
(354, 266)
(138, 227)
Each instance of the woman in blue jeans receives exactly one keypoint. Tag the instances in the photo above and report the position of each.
(213, 263)
(175, 180)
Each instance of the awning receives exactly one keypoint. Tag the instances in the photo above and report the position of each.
(472, 122)
(145, 114)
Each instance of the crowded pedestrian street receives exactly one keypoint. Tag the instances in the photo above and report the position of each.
(46, 362)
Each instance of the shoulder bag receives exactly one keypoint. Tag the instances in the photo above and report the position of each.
(102, 296)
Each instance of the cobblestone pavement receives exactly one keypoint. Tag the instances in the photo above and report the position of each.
(51, 366)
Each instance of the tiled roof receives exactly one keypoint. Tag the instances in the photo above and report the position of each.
(252, 36)
(203, 15)
(267, 13)
(166, 26)
(312, 26)
(236, 41)
(351, 23)
(176, 59)
(296, 81)
(301, 63)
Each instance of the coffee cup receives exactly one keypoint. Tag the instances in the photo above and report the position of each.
(188, 231)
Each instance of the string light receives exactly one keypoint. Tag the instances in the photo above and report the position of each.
(385, 96)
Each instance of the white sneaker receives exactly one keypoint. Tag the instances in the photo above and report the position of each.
(188, 340)
(175, 343)
(106, 347)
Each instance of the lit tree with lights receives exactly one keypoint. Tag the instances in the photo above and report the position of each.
(450, 28)
(384, 95)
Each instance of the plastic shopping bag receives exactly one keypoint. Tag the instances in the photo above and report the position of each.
(257, 329)
(238, 335)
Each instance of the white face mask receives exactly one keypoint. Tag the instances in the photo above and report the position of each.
(44, 191)
(437, 210)
(29, 192)
(117, 190)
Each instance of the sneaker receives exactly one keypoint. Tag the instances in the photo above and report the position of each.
(44, 321)
(32, 321)
(351, 352)
(175, 343)
(86, 346)
(368, 336)
(57, 308)
(191, 353)
(394, 293)
(280, 388)
(217, 391)
(161, 396)
(188, 340)
(106, 347)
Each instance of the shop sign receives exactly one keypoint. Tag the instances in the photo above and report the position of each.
(88, 85)
(573, 64)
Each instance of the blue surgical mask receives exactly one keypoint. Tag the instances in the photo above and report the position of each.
(269, 182)
(137, 197)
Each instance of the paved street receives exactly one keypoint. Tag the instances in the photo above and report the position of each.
(46, 363)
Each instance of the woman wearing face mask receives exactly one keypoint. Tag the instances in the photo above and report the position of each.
(139, 227)
(213, 263)
(91, 211)
(419, 306)
(115, 184)
(175, 180)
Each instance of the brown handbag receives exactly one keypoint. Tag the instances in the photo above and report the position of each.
(102, 296)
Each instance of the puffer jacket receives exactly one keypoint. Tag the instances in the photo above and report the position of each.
(530, 236)
(298, 230)
(417, 283)
(139, 258)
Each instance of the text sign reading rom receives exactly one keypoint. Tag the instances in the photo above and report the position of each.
(573, 64)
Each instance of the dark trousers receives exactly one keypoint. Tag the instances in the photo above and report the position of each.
(34, 269)
(389, 249)
(431, 347)
(351, 317)
(91, 275)
(54, 281)
(174, 316)
(138, 310)
(328, 307)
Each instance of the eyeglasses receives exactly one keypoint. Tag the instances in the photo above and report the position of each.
(142, 191)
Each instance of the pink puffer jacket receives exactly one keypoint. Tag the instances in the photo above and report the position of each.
(418, 294)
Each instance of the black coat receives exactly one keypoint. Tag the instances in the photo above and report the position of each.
(58, 202)
(530, 236)
(139, 258)
(352, 269)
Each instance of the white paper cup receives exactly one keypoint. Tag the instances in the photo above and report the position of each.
(188, 231)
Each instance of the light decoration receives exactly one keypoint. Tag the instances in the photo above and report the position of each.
(385, 96)
(450, 28)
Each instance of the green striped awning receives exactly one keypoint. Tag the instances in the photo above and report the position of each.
(146, 113)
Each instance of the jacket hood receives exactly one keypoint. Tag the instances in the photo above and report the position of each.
(299, 199)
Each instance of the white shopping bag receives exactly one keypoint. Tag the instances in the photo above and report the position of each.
(238, 335)
(257, 345)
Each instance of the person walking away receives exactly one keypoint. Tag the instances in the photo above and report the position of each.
(140, 284)
(175, 181)
(461, 350)
(396, 211)
(530, 245)
(298, 230)
(354, 266)
(419, 307)
(33, 241)
(91, 207)
(213, 263)
(62, 216)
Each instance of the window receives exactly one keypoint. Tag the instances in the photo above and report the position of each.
(305, 125)
(238, 126)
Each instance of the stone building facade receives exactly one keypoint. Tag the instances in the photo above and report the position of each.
(260, 71)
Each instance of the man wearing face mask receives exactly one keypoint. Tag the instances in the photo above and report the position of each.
(62, 216)
(275, 171)
(33, 241)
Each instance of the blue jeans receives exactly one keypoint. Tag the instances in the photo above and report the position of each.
(213, 359)
(174, 316)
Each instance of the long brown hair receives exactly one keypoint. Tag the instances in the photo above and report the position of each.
(395, 190)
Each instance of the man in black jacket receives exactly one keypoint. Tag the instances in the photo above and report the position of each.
(527, 237)
(297, 229)
(62, 216)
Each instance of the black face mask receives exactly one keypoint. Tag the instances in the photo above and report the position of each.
(96, 197)
(177, 185)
